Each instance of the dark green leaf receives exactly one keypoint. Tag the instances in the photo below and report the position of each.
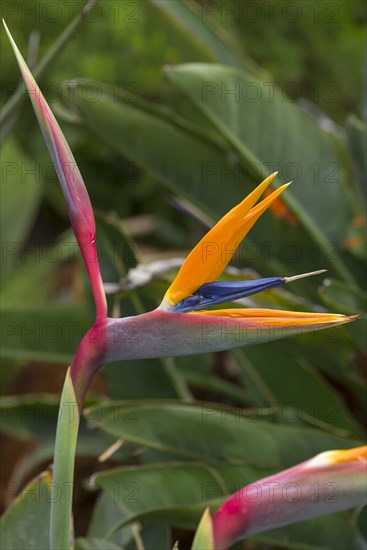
(334, 531)
(185, 489)
(214, 432)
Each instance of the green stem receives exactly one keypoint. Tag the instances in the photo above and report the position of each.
(63, 468)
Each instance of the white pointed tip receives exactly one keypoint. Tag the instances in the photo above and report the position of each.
(11, 39)
(303, 275)
(271, 178)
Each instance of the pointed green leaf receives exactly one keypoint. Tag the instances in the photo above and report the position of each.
(63, 467)
(204, 539)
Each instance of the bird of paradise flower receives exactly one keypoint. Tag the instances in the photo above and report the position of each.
(179, 326)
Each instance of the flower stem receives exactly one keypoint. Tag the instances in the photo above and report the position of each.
(63, 468)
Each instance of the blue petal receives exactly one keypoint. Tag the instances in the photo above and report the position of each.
(219, 292)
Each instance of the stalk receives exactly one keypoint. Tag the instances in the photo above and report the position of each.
(63, 467)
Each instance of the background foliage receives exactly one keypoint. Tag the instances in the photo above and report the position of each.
(164, 153)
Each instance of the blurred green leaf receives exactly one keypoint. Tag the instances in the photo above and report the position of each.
(138, 379)
(347, 299)
(299, 392)
(31, 284)
(116, 251)
(180, 160)
(357, 141)
(21, 193)
(215, 384)
(193, 30)
(252, 380)
(10, 108)
(32, 417)
(43, 334)
(29, 416)
(362, 522)
(106, 514)
(25, 524)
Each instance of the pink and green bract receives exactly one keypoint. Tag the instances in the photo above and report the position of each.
(329, 482)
